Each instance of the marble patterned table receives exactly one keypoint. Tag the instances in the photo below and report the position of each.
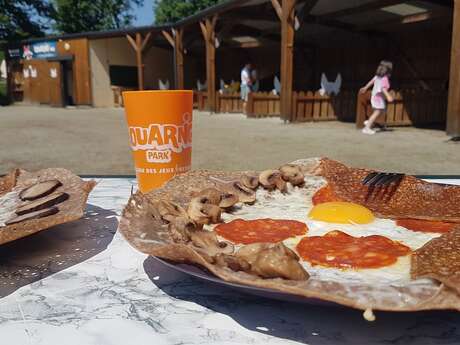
(81, 283)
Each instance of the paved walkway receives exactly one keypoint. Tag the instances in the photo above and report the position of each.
(95, 141)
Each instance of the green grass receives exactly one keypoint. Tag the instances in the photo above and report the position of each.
(2, 88)
(3, 99)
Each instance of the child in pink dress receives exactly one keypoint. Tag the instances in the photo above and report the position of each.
(380, 94)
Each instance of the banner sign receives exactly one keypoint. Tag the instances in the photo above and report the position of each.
(39, 50)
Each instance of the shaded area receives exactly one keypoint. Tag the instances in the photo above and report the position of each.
(306, 323)
(35, 257)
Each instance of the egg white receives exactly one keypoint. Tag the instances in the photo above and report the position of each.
(296, 204)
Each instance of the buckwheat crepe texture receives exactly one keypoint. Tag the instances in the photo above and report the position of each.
(151, 236)
(69, 210)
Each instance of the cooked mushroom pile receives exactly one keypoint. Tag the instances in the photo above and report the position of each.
(265, 260)
(38, 200)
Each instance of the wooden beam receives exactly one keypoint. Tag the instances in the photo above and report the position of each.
(168, 37)
(137, 45)
(279, 12)
(145, 41)
(179, 57)
(287, 59)
(204, 30)
(140, 67)
(132, 42)
(208, 30)
(453, 106)
(278, 9)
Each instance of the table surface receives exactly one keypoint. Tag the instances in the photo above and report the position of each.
(81, 283)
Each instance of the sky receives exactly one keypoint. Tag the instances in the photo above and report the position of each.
(144, 14)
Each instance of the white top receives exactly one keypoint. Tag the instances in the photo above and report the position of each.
(245, 77)
(378, 98)
(3, 70)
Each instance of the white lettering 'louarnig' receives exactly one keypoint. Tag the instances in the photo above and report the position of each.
(161, 137)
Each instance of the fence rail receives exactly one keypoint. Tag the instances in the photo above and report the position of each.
(263, 104)
(411, 107)
(312, 106)
(229, 102)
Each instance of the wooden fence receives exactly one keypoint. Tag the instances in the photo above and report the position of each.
(311, 106)
(308, 106)
(229, 102)
(201, 100)
(263, 104)
(226, 103)
(411, 107)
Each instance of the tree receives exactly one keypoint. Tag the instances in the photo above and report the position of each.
(93, 15)
(169, 11)
(20, 19)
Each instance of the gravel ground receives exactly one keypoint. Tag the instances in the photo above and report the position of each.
(95, 141)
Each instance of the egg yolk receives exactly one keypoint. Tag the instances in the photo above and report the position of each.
(341, 212)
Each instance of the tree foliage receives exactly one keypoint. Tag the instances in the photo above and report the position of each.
(169, 11)
(92, 15)
(20, 19)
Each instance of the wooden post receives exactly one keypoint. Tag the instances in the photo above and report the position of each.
(361, 103)
(9, 79)
(179, 57)
(285, 12)
(139, 45)
(453, 105)
(176, 42)
(140, 68)
(207, 29)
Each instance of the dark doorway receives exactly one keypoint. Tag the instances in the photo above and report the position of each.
(67, 83)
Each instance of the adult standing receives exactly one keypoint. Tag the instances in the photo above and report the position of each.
(245, 84)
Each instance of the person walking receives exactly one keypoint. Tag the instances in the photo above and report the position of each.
(380, 94)
(245, 85)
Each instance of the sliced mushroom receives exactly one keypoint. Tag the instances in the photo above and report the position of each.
(39, 190)
(293, 174)
(33, 215)
(269, 260)
(271, 179)
(233, 262)
(245, 195)
(228, 199)
(40, 204)
(181, 227)
(210, 196)
(249, 181)
(167, 210)
(281, 185)
(207, 241)
(203, 213)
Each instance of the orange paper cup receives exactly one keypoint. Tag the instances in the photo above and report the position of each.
(160, 134)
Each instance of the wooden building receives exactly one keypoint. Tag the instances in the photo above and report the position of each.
(87, 69)
(296, 41)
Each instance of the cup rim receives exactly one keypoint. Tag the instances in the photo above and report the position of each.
(157, 92)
